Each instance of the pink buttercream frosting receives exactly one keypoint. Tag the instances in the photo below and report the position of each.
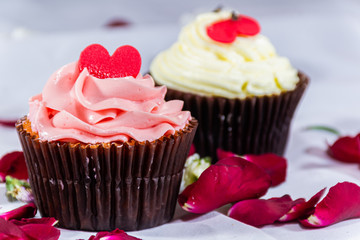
(76, 106)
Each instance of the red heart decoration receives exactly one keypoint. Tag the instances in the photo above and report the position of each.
(225, 31)
(247, 26)
(126, 61)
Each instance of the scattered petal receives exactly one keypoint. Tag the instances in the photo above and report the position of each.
(7, 123)
(18, 190)
(26, 211)
(303, 209)
(229, 180)
(9, 230)
(45, 220)
(260, 212)
(224, 154)
(13, 164)
(341, 203)
(117, 23)
(117, 234)
(29, 229)
(192, 150)
(346, 149)
(194, 167)
(41, 231)
(273, 164)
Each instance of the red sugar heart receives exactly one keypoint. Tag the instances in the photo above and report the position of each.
(225, 31)
(247, 26)
(126, 61)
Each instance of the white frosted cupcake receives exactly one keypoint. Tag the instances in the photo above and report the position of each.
(232, 80)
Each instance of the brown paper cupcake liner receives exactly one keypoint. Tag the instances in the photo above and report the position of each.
(131, 186)
(253, 125)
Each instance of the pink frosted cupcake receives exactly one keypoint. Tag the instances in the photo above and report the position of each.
(104, 150)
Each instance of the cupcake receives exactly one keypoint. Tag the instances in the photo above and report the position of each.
(229, 76)
(104, 150)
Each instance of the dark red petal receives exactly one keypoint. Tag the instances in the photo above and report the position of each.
(41, 231)
(302, 209)
(29, 229)
(192, 150)
(117, 23)
(341, 203)
(247, 26)
(117, 234)
(223, 31)
(7, 123)
(346, 149)
(224, 154)
(260, 212)
(26, 211)
(273, 165)
(44, 221)
(13, 164)
(8, 230)
(229, 180)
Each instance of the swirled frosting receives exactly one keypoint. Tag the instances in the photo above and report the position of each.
(76, 106)
(247, 67)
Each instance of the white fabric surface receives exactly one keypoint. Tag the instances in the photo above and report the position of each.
(320, 37)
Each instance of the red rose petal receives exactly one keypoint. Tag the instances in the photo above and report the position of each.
(26, 211)
(126, 61)
(260, 212)
(10, 231)
(303, 209)
(29, 229)
(13, 164)
(346, 149)
(41, 231)
(229, 180)
(7, 123)
(192, 150)
(341, 203)
(117, 23)
(273, 164)
(117, 234)
(45, 220)
(224, 154)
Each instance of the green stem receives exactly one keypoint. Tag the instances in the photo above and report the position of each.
(324, 128)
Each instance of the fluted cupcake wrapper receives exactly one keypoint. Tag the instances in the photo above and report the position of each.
(131, 186)
(253, 125)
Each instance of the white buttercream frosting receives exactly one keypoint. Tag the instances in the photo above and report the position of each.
(249, 66)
